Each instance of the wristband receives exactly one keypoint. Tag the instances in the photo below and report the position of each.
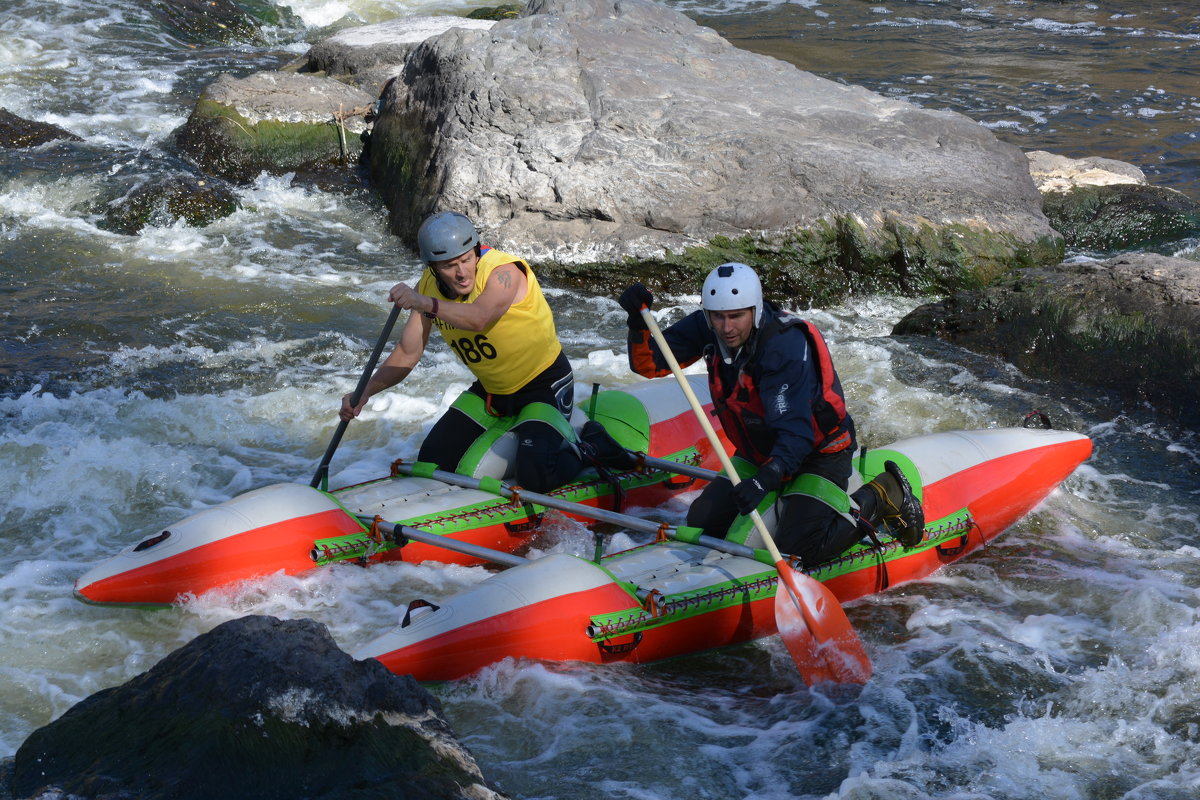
(433, 312)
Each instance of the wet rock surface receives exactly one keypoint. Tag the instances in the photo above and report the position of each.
(275, 122)
(1130, 324)
(256, 708)
(19, 132)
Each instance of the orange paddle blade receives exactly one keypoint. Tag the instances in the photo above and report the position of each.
(816, 631)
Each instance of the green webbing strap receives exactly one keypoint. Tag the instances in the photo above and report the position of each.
(491, 428)
(423, 469)
(493, 485)
(544, 412)
(822, 489)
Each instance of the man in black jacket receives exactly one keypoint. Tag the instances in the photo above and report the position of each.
(780, 402)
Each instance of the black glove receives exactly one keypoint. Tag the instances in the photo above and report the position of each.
(750, 492)
(632, 300)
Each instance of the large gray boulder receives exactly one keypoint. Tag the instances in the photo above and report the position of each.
(594, 130)
(256, 709)
(1130, 325)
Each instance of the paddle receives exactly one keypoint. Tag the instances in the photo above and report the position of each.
(321, 478)
(815, 628)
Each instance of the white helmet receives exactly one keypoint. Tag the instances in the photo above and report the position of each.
(730, 287)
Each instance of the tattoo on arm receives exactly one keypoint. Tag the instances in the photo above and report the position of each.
(504, 278)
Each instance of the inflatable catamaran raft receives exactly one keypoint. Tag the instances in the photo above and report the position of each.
(291, 528)
(686, 593)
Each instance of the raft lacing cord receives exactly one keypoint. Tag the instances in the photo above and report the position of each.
(377, 538)
(619, 627)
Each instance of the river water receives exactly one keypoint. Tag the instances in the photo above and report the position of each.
(144, 377)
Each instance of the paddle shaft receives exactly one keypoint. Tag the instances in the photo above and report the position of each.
(322, 474)
(579, 509)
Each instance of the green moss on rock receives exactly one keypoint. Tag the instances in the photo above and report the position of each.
(822, 265)
(1121, 216)
(1050, 325)
(161, 202)
(225, 143)
(507, 11)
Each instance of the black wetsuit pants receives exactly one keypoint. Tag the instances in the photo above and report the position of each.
(545, 460)
(807, 527)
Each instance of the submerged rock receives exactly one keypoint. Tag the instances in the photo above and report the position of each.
(19, 132)
(276, 122)
(206, 21)
(259, 709)
(164, 199)
(1130, 325)
(592, 131)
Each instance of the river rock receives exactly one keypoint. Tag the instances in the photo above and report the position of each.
(1127, 216)
(1130, 324)
(370, 55)
(276, 122)
(1103, 205)
(207, 21)
(258, 708)
(1055, 173)
(19, 132)
(591, 131)
(162, 200)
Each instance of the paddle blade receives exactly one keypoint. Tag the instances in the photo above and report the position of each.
(817, 633)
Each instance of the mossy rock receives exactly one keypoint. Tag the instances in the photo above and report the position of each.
(508, 11)
(162, 202)
(823, 265)
(1121, 216)
(1106, 324)
(20, 132)
(227, 144)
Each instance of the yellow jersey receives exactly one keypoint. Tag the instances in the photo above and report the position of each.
(517, 347)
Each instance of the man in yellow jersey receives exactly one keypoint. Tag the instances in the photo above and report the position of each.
(491, 311)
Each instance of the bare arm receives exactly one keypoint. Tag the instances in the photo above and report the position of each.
(396, 366)
(506, 285)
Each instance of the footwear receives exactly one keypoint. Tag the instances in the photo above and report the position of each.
(906, 517)
(598, 444)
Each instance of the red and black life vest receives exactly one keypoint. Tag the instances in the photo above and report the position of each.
(740, 407)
